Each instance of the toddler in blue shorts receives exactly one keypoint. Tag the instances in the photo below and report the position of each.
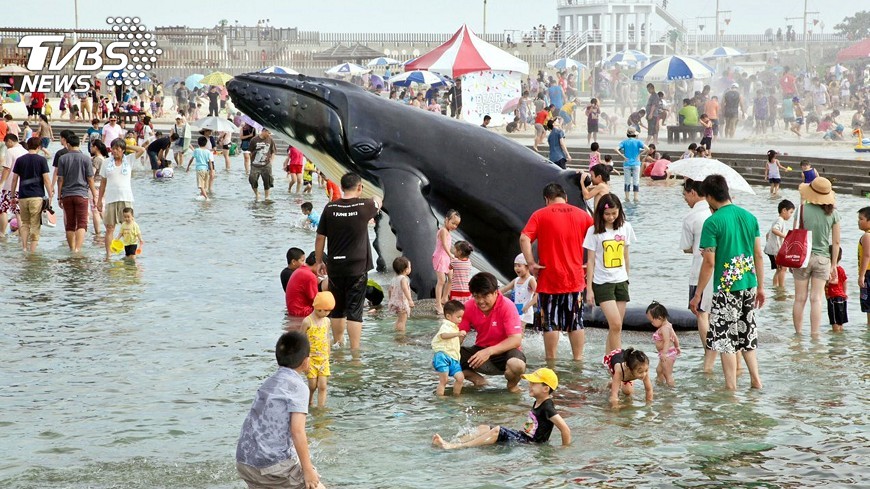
(446, 345)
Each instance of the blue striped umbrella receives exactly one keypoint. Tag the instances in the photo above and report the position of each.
(629, 56)
(420, 77)
(566, 63)
(672, 68)
(279, 70)
(383, 61)
(722, 52)
(347, 69)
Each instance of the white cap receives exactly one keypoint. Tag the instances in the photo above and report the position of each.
(734, 85)
(521, 259)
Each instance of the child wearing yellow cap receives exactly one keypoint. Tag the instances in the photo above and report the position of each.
(537, 428)
(316, 325)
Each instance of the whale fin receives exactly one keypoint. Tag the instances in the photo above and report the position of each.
(414, 224)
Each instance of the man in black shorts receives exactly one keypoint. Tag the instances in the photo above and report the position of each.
(344, 224)
(499, 334)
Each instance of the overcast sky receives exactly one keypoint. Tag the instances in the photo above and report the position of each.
(747, 16)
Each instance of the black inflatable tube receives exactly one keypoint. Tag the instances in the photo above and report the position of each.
(635, 319)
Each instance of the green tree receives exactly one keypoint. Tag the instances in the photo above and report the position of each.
(857, 27)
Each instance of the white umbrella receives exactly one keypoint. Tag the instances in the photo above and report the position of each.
(672, 68)
(420, 77)
(628, 57)
(14, 70)
(722, 52)
(383, 61)
(279, 70)
(216, 124)
(566, 63)
(701, 168)
(347, 69)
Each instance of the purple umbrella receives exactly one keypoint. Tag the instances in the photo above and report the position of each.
(247, 120)
(377, 81)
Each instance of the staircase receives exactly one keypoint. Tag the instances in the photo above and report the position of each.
(573, 45)
(670, 19)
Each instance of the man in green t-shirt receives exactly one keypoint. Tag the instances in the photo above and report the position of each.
(731, 244)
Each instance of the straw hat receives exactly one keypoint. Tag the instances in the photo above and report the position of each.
(818, 192)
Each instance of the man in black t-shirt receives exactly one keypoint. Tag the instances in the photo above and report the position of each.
(157, 150)
(344, 224)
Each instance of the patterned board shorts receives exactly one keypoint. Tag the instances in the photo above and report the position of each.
(6, 202)
(732, 322)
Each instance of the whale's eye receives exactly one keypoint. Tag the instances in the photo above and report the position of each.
(366, 150)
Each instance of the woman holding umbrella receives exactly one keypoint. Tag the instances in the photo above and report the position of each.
(818, 216)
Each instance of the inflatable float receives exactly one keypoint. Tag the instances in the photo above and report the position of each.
(863, 145)
(635, 319)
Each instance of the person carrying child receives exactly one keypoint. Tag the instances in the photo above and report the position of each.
(442, 256)
(400, 300)
(446, 344)
(316, 326)
(626, 366)
(666, 340)
(835, 293)
(273, 447)
(525, 290)
(777, 233)
(460, 271)
(537, 428)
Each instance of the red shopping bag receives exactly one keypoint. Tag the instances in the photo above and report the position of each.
(796, 247)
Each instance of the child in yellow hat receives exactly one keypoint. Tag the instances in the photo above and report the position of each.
(537, 428)
(316, 325)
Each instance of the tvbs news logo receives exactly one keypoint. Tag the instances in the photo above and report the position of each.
(124, 62)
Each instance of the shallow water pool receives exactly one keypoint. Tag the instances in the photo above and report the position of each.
(140, 375)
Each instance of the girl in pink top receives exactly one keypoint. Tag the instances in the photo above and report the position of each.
(594, 156)
(442, 256)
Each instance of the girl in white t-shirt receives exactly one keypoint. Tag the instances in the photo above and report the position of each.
(607, 264)
(524, 287)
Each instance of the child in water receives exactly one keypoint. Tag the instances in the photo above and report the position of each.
(312, 220)
(538, 427)
(600, 176)
(666, 340)
(400, 301)
(771, 172)
(594, 156)
(607, 267)
(835, 293)
(460, 271)
(808, 173)
(129, 234)
(307, 177)
(626, 366)
(442, 256)
(316, 326)
(777, 233)
(446, 344)
(524, 287)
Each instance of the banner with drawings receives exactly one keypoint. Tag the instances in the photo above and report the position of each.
(487, 93)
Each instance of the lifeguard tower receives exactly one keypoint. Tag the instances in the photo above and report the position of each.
(603, 27)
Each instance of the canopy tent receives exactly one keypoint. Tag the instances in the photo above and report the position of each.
(855, 52)
(466, 53)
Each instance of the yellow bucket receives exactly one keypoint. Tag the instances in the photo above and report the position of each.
(117, 246)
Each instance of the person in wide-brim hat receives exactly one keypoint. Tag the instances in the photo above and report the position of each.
(819, 192)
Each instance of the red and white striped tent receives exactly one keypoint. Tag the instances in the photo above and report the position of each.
(467, 53)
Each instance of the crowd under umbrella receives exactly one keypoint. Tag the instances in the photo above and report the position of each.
(701, 168)
(215, 123)
(217, 79)
(672, 68)
(193, 81)
(631, 57)
(722, 52)
(566, 64)
(347, 69)
(383, 61)
(279, 70)
(419, 77)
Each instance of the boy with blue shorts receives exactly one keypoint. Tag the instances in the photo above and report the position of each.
(446, 345)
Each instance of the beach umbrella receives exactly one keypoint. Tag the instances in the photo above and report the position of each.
(345, 69)
(628, 57)
(14, 70)
(217, 79)
(193, 81)
(511, 105)
(383, 61)
(215, 123)
(251, 122)
(279, 70)
(701, 168)
(5, 85)
(566, 64)
(672, 68)
(173, 81)
(419, 77)
(377, 81)
(722, 52)
(838, 69)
